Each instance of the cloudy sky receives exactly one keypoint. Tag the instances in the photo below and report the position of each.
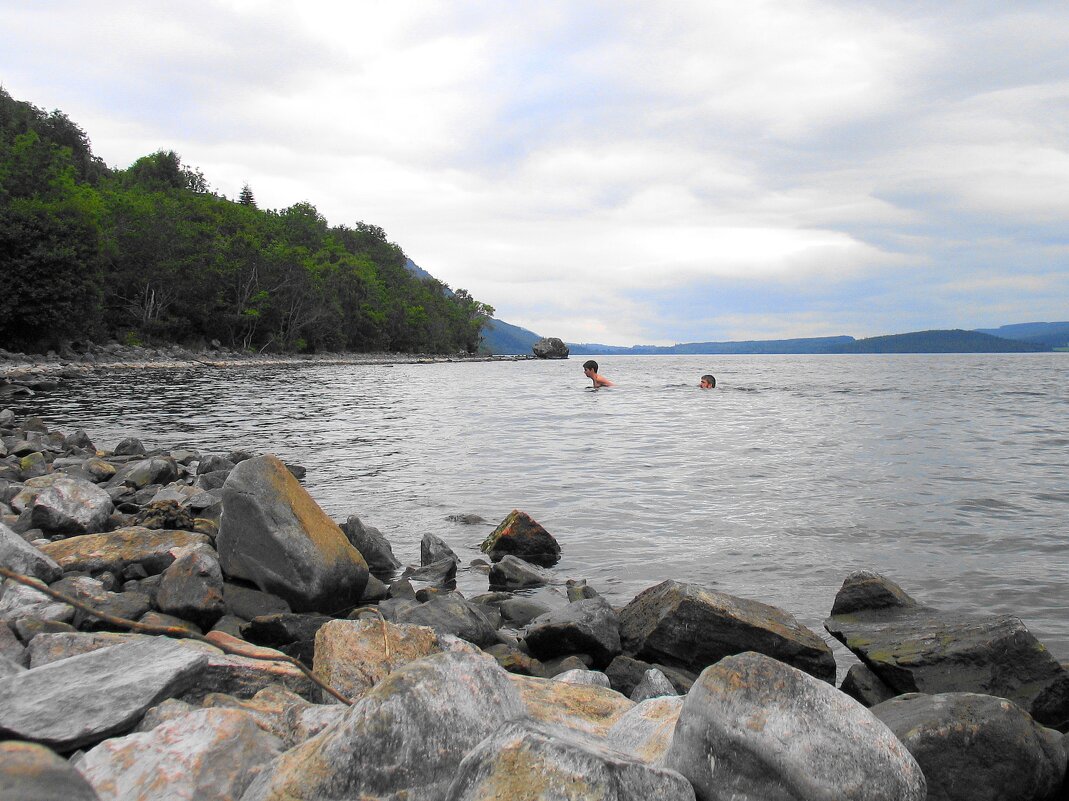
(617, 172)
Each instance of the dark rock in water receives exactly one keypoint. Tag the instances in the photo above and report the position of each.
(915, 648)
(466, 519)
(975, 747)
(755, 728)
(131, 446)
(520, 611)
(578, 590)
(433, 548)
(521, 536)
(31, 772)
(865, 590)
(80, 440)
(273, 534)
(526, 759)
(589, 626)
(84, 699)
(513, 573)
(865, 687)
(404, 739)
(442, 573)
(451, 614)
(373, 546)
(239, 456)
(18, 555)
(550, 348)
(687, 626)
(192, 589)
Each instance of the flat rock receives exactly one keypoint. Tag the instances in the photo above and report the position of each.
(645, 731)
(522, 536)
(115, 550)
(528, 760)
(589, 626)
(273, 534)
(915, 648)
(84, 699)
(206, 755)
(513, 573)
(18, 602)
(691, 627)
(585, 708)
(404, 739)
(31, 772)
(975, 747)
(451, 614)
(755, 728)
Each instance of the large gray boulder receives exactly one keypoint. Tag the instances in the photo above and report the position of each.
(550, 348)
(691, 627)
(273, 534)
(85, 699)
(912, 647)
(18, 555)
(528, 760)
(207, 755)
(71, 506)
(31, 772)
(976, 747)
(404, 739)
(589, 626)
(754, 729)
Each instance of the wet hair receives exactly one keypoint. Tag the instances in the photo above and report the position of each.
(590, 365)
(710, 380)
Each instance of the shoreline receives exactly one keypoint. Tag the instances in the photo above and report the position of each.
(22, 368)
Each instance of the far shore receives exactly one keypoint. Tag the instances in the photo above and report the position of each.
(18, 368)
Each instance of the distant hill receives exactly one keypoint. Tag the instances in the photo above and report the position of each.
(758, 346)
(1051, 335)
(504, 338)
(956, 341)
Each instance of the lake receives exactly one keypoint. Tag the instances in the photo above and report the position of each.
(947, 473)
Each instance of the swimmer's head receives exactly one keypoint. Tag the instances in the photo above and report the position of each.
(707, 382)
(590, 366)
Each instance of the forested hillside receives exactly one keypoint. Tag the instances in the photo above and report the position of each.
(150, 254)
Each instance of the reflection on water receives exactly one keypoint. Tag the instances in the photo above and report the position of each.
(947, 473)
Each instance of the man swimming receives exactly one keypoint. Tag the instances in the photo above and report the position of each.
(590, 370)
(708, 382)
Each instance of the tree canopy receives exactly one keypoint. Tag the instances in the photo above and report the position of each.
(150, 254)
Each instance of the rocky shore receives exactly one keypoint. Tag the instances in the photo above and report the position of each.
(187, 625)
(20, 372)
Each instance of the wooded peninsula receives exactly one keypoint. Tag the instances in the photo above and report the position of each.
(150, 254)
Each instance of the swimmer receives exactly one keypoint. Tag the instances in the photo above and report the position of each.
(590, 370)
(708, 382)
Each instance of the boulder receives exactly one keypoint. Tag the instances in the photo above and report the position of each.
(248, 603)
(865, 687)
(213, 463)
(912, 647)
(584, 676)
(521, 536)
(645, 731)
(688, 626)
(352, 657)
(192, 589)
(114, 551)
(626, 673)
(31, 772)
(528, 760)
(206, 754)
(404, 738)
(654, 684)
(17, 602)
(442, 573)
(584, 708)
(71, 506)
(589, 626)
(550, 348)
(294, 633)
(373, 546)
(514, 573)
(273, 534)
(146, 473)
(515, 660)
(18, 555)
(85, 699)
(755, 728)
(433, 548)
(975, 747)
(131, 446)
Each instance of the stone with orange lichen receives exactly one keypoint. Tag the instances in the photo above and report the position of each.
(275, 535)
(522, 536)
(646, 731)
(153, 549)
(583, 708)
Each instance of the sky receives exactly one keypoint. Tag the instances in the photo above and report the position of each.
(616, 172)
